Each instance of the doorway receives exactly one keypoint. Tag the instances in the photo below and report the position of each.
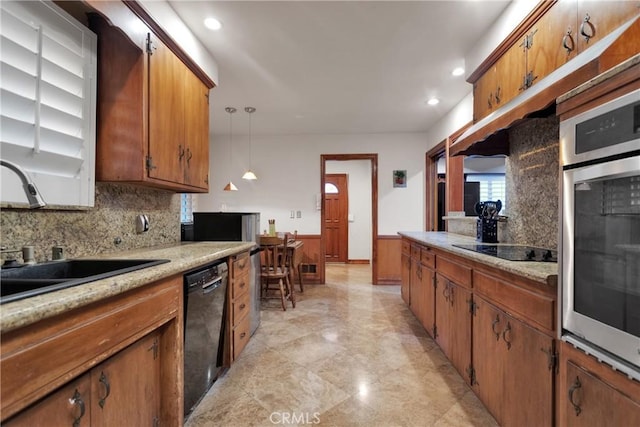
(336, 225)
(373, 159)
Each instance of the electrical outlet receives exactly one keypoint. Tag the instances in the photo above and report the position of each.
(299, 214)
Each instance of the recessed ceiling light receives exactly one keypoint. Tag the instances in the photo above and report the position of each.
(433, 101)
(457, 71)
(212, 24)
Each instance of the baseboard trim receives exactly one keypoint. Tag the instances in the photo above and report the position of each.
(358, 261)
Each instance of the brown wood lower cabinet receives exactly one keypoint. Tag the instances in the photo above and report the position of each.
(592, 394)
(116, 392)
(116, 362)
(453, 323)
(406, 277)
(513, 369)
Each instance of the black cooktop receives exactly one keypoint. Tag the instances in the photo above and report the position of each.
(514, 252)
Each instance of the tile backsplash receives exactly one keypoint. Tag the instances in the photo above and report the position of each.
(532, 182)
(96, 230)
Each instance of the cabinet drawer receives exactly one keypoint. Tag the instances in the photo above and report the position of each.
(460, 274)
(241, 265)
(523, 303)
(427, 257)
(406, 247)
(241, 336)
(240, 308)
(415, 251)
(239, 285)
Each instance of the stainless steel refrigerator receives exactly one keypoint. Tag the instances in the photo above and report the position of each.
(234, 226)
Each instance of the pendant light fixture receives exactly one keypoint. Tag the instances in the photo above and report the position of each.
(249, 175)
(230, 186)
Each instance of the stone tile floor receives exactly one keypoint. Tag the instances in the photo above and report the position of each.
(349, 354)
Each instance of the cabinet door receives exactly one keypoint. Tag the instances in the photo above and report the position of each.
(196, 160)
(415, 289)
(602, 18)
(548, 38)
(489, 357)
(428, 296)
(588, 401)
(166, 114)
(510, 69)
(443, 315)
(68, 406)
(484, 94)
(460, 332)
(406, 277)
(528, 375)
(125, 388)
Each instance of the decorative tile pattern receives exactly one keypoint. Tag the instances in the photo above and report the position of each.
(349, 354)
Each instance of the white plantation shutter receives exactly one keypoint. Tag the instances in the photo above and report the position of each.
(47, 102)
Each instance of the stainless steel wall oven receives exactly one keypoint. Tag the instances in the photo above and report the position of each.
(600, 237)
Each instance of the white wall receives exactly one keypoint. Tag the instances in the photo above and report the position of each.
(359, 190)
(288, 170)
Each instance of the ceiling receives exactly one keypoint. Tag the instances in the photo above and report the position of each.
(334, 67)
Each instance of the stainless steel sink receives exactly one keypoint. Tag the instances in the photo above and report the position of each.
(28, 281)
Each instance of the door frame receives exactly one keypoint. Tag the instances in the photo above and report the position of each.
(373, 158)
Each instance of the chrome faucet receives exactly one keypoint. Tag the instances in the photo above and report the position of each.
(33, 195)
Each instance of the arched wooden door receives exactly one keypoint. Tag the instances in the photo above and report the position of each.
(336, 225)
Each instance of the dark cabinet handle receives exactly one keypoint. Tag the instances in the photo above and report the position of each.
(189, 155)
(451, 294)
(587, 23)
(504, 335)
(445, 291)
(576, 385)
(242, 335)
(567, 42)
(493, 327)
(77, 400)
(180, 151)
(104, 381)
(498, 95)
(242, 306)
(419, 272)
(490, 101)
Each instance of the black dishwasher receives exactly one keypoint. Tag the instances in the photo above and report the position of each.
(205, 291)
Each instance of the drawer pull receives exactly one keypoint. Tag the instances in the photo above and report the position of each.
(567, 41)
(504, 335)
(576, 385)
(77, 400)
(242, 306)
(586, 22)
(104, 381)
(242, 335)
(493, 327)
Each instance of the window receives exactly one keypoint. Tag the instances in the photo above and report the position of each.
(330, 188)
(492, 187)
(187, 206)
(48, 93)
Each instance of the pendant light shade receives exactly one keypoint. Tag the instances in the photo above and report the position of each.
(230, 110)
(249, 175)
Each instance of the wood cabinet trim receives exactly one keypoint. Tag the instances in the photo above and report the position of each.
(515, 35)
(137, 8)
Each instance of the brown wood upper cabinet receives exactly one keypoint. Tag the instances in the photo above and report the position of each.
(546, 40)
(153, 113)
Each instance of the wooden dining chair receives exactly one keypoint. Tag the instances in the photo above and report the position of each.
(274, 275)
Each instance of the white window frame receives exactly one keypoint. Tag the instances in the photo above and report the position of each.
(48, 104)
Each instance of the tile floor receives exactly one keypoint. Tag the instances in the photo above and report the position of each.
(349, 354)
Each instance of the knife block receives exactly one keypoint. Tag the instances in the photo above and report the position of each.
(487, 230)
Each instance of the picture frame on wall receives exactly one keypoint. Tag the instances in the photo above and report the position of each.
(399, 178)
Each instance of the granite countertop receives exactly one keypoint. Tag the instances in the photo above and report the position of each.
(543, 272)
(182, 256)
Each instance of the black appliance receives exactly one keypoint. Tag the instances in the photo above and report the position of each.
(205, 292)
(514, 252)
(487, 230)
(234, 227)
(471, 197)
